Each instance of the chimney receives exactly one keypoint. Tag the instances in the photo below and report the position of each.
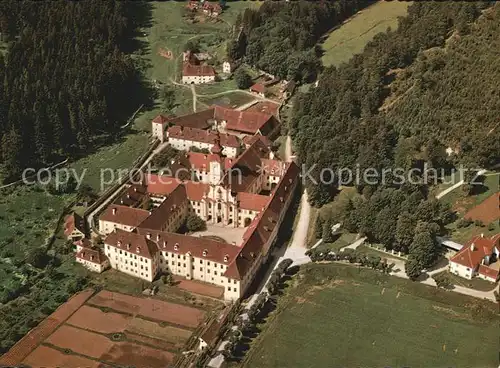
(158, 237)
(472, 247)
(281, 199)
(121, 201)
(148, 236)
(128, 196)
(114, 211)
(128, 246)
(135, 189)
(234, 243)
(482, 235)
(138, 250)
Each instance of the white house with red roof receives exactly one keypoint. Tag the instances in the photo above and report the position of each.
(478, 257)
(197, 74)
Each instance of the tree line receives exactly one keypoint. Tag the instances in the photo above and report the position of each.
(444, 97)
(281, 38)
(65, 78)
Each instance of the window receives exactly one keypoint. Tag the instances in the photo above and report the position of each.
(234, 289)
(146, 269)
(201, 268)
(142, 267)
(208, 270)
(178, 264)
(201, 261)
(120, 251)
(234, 281)
(215, 272)
(229, 288)
(183, 265)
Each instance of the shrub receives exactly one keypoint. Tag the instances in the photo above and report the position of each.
(195, 223)
(464, 223)
(479, 223)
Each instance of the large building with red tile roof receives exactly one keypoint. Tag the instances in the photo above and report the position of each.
(229, 122)
(197, 74)
(478, 257)
(185, 138)
(250, 191)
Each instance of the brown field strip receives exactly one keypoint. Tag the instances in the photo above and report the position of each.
(80, 341)
(33, 338)
(174, 335)
(94, 319)
(129, 354)
(147, 340)
(487, 211)
(150, 308)
(44, 356)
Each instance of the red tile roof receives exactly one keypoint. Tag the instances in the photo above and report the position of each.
(250, 201)
(488, 272)
(246, 121)
(250, 139)
(215, 250)
(84, 243)
(471, 256)
(201, 161)
(93, 255)
(273, 167)
(200, 119)
(124, 215)
(74, 221)
(161, 184)
(258, 87)
(160, 215)
(190, 70)
(132, 242)
(196, 190)
(203, 136)
(132, 196)
(160, 119)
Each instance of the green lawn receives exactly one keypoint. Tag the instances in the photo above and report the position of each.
(28, 215)
(352, 36)
(340, 242)
(476, 283)
(216, 88)
(118, 156)
(342, 316)
(232, 100)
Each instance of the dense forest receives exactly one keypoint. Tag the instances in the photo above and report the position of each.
(281, 38)
(65, 78)
(445, 94)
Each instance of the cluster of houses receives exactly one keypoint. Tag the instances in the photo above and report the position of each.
(195, 69)
(212, 9)
(238, 184)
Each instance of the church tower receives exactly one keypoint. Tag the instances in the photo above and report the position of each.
(216, 162)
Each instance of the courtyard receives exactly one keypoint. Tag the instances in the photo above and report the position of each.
(228, 234)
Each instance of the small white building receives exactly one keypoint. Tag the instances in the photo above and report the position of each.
(92, 259)
(227, 67)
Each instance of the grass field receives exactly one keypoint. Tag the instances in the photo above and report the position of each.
(351, 37)
(233, 99)
(339, 316)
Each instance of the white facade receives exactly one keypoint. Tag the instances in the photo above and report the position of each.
(158, 131)
(226, 67)
(126, 259)
(188, 79)
(107, 227)
(462, 271)
(185, 145)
